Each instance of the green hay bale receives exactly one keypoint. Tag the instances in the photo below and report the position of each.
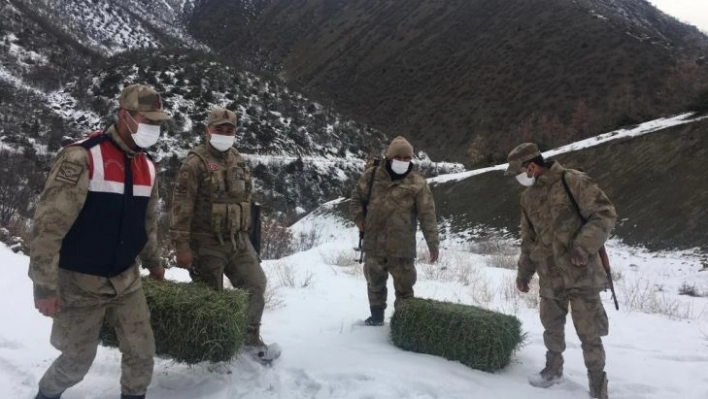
(475, 337)
(192, 323)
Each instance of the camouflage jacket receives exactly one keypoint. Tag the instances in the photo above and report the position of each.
(393, 212)
(59, 206)
(551, 229)
(211, 198)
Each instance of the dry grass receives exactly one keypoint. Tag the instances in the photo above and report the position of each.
(504, 261)
(691, 290)
(285, 273)
(286, 276)
(492, 246)
(481, 291)
(339, 258)
(643, 296)
(532, 299)
(343, 262)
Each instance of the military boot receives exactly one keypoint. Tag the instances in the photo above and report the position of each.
(259, 350)
(40, 395)
(124, 396)
(377, 316)
(253, 338)
(551, 374)
(598, 384)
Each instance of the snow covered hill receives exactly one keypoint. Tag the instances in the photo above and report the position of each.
(315, 298)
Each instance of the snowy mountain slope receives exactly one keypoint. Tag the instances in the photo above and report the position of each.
(113, 26)
(302, 152)
(317, 297)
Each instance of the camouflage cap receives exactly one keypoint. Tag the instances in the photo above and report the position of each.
(220, 116)
(143, 99)
(522, 153)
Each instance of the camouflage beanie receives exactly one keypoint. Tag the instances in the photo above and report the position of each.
(399, 147)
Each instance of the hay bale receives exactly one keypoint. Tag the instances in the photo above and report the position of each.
(476, 337)
(192, 323)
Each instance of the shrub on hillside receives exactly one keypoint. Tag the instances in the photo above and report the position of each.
(276, 239)
(476, 337)
(191, 322)
(700, 103)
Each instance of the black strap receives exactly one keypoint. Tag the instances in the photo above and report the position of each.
(572, 199)
(94, 141)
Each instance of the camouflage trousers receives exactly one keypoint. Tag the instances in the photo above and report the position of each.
(84, 302)
(590, 322)
(241, 266)
(376, 270)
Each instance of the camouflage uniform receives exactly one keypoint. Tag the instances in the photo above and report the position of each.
(211, 217)
(550, 230)
(393, 211)
(85, 299)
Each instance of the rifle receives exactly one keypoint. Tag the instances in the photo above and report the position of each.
(255, 233)
(603, 251)
(364, 205)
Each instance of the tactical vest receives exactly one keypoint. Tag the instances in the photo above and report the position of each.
(110, 232)
(229, 195)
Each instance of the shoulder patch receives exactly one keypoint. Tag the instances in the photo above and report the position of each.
(212, 166)
(69, 172)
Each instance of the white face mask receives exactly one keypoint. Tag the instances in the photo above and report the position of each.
(146, 135)
(221, 142)
(399, 167)
(525, 180)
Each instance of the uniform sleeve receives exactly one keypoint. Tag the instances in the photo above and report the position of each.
(526, 267)
(59, 206)
(183, 201)
(357, 201)
(150, 256)
(425, 207)
(596, 208)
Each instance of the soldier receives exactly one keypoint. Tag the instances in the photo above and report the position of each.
(386, 204)
(97, 213)
(556, 244)
(211, 218)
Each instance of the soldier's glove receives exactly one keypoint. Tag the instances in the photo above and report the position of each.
(578, 257)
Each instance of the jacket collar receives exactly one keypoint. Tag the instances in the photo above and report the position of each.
(552, 175)
(112, 132)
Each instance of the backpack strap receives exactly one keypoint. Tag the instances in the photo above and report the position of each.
(94, 141)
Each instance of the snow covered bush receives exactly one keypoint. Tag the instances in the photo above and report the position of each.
(476, 337)
(191, 322)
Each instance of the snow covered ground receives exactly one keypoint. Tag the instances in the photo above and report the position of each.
(657, 347)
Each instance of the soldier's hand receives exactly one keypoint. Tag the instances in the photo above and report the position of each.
(522, 286)
(157, 273)
(184, 259)
(434, 254)
(360, 225)
(578, 257)
(47, 306)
